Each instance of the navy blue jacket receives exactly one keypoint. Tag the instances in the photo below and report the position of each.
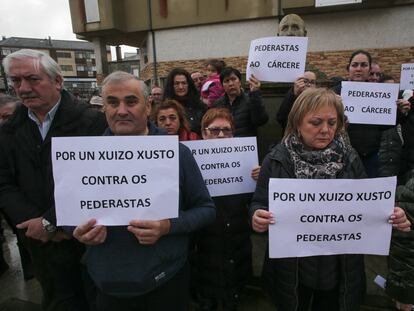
(121, 266)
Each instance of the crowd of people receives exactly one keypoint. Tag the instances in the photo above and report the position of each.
(205, 254)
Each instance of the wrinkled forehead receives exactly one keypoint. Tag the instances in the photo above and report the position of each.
(122, 89)
(27, 65)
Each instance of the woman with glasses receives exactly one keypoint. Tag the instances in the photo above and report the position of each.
(222, 261)
(170, 115)
(180, 87)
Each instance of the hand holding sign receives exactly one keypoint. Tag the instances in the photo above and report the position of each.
(149, 232)
(403, 106)
(399, 220)
(89, 234)
(254, 84)
(261, 220)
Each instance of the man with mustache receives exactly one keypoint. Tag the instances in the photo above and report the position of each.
(26, 181)
(144, 266)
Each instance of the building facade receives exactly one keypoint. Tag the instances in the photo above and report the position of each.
(76, 59)
(184, 33)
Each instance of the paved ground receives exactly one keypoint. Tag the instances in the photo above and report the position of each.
(19, 295)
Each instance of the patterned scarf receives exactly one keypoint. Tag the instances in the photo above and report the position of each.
(318, 164)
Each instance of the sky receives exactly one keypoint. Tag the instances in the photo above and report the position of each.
(37, 19)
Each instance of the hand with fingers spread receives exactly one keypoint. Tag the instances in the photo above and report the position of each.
(254, 84)
(261, 220)
(399, 220)
(90, 234)
(149, 231)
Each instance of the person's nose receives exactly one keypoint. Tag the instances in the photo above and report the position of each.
(324, 128)
(122, 109)
(220, 134)
(24, 87)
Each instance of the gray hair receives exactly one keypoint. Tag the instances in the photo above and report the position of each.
(41, 59)
(122, 76)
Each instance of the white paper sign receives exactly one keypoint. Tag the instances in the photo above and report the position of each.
(226, 164)
(115, 178)
(277, 59)
(321, 3)
(407, 77)
(370, 103)
(328, 217)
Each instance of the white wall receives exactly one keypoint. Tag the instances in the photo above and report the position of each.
(379, 28)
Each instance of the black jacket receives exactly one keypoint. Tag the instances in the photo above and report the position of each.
(285, 108)
(365, 138)
(282, 275)
(26, 181)
(223, 250)
(248, 112)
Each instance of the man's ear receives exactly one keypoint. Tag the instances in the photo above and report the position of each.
(59, 82)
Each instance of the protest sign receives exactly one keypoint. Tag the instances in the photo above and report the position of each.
(277, 59)
(370, 103)
(407, 77)
(328, 217)
(226, 164)
(115, 178)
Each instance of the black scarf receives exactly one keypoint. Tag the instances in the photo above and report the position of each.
(318, 164)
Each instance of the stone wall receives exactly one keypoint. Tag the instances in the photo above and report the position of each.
(329, 64)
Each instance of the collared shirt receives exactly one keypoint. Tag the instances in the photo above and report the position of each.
(47, 122)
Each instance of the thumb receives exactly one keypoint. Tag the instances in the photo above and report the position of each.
(22, 225)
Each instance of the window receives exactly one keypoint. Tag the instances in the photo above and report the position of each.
(80, 68)
(80, 55)
(63, 54)
(66, 67)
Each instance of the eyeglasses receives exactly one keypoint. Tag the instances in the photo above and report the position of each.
(156, 94)
(201, 79)
(310, 82)
(216, 131)
(377, 74)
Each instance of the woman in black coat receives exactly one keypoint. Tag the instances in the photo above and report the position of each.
(223, 259)
(315, 146)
